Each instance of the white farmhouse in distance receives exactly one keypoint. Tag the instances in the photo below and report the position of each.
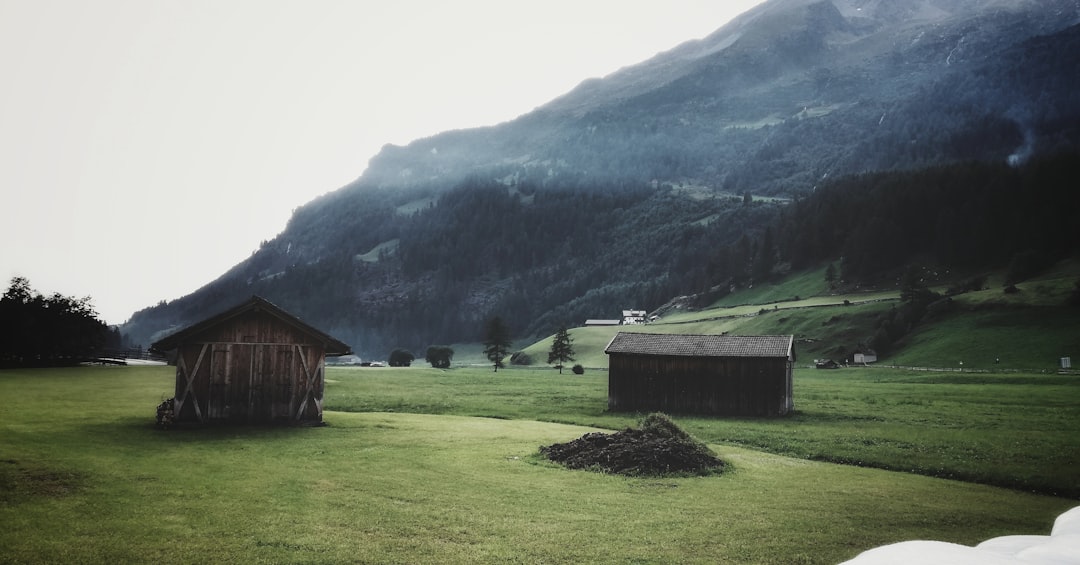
(865, 356)
(629, 317)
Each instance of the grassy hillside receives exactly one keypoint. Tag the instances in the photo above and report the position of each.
(1030, 329)
(987, 329)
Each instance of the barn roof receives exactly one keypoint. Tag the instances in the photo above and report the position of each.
(331, 345)
(701, 345)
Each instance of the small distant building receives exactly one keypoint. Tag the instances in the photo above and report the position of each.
(630, 317)
(602, 322)
(704, 374)
(254, 363)
(864, 357)
(826, 364)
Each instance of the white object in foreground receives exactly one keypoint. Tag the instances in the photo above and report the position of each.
(1061, 547)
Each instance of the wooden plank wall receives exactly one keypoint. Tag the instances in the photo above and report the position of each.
(733, 386)
(250, 370)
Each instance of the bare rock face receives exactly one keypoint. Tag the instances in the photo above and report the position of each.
(658, 447)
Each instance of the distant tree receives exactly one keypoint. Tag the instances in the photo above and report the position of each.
(1074, 296)
(47, 331)
(401, 358)
(578, 369)
(114, 339)
(830, 274)
(19, 292)
(439, 356)
(521, 358)
(766, 257)
(497, 342)
(912, 287)
(562, 349)
(882, 341)
(1027, 264)
(742, 257)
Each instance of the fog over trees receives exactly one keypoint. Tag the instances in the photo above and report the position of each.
(803, 134)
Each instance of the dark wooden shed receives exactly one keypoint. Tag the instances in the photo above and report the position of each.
(703, 374)
(254, 363)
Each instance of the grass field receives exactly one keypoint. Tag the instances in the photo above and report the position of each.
(428, 466)
(1016, 430)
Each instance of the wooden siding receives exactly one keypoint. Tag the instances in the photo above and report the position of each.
(250, 368)
(735, 386)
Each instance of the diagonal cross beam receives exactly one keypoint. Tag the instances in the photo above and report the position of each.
(189, 388)
(311, 382)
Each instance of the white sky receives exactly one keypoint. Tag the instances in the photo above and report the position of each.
(147, 146)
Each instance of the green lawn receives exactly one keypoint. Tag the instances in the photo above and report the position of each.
(426, 466)
(1014, 429)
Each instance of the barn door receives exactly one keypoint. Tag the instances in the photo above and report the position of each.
(218, 401)
(269, 369)
(285, 392)
(258, 408)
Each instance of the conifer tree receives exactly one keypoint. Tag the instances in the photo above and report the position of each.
(830, 274)
(497, 342)
(562, 348)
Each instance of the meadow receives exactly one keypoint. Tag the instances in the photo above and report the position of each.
(420, 465)
(1028, 331)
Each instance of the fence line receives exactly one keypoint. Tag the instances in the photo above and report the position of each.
(130, 353)
(943, 369)
(962, 370)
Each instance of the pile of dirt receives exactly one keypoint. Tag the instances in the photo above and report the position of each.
(658, 447)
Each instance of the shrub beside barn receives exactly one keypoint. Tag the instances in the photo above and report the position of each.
(702, 374)
(254, 363)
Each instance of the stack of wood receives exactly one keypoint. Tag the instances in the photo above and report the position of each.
(165, 414)
(659, 447)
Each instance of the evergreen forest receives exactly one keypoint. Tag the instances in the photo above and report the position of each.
(427, 268)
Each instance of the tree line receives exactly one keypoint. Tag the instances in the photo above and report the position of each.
(45, 331)
(966, 217)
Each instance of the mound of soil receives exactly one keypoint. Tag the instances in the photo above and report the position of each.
(659, 447)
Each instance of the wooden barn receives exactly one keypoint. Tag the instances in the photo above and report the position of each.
(703, 374)
(254, 363)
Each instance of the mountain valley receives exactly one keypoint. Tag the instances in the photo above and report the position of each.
(874, 135)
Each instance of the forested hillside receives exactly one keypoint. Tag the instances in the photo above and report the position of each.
(968, 217)
(414, 275)
(432, 273)
(867, 134)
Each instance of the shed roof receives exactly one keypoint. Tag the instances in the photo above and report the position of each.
(331, 345)
(686, 345)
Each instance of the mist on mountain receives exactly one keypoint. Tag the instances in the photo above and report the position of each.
(674, 176)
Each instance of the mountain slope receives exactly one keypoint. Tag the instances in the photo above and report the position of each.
(871, 85)
(637, 187)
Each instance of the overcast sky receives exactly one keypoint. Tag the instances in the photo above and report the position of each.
(146, 146)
